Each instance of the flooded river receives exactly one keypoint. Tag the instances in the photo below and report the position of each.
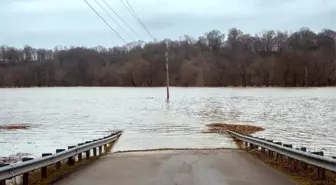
(67, 116)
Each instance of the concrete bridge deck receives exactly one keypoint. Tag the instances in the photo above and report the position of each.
(178, 167)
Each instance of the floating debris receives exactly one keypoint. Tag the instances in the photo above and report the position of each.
(223, 128)
(15, 127)
(13, 158)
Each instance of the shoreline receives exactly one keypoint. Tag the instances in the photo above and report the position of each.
(172, 149)
(303, 177)
(240, 87)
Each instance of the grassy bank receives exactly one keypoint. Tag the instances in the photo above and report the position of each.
(299, 172)
(54, 175)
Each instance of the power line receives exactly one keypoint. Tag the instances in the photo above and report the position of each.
(115, 13)
(106, 23)
(113, 19)
(134, 14)
(139, 20)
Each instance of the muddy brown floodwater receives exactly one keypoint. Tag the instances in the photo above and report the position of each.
(67, 116)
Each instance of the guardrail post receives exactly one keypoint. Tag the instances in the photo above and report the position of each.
(88, 153)
(246, 144)
(58, 164)
(297, 163)
(71, 160)
(105, 148)
(3, 182)
(80, 155)
(252, 146)
(270, 153)
(263, 150)
(44, 169)
(100, 150)
(303, 165)
(278, 156)
(320, 171)
(290, 160)
(94, 151)
(25, 177)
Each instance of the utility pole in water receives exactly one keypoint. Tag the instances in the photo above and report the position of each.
(167, 72)
(306, 80)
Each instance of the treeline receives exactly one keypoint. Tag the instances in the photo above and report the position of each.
(272, 58)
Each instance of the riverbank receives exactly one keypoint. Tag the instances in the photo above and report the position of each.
(289, 167)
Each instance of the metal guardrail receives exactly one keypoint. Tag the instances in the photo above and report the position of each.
(17, 169)
(309, 158)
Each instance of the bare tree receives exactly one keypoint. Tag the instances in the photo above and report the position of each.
(272, 58)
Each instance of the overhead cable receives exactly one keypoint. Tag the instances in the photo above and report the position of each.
(113, 19)
(106, 22)
(129, 7)
(121, 19)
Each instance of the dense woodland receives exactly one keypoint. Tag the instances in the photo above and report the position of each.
(272, 58)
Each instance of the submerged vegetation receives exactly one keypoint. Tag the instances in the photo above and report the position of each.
(15, 127)
(223, 128)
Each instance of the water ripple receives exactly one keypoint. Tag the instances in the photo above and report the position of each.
(67, 116)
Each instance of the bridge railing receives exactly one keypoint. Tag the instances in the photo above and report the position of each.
(278, 150)
(9, 171)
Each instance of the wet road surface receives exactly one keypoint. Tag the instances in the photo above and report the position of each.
(182, 167)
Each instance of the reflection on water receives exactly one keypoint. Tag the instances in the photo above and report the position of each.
(66, 116)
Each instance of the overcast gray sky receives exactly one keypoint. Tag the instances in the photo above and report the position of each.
(47, 23)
